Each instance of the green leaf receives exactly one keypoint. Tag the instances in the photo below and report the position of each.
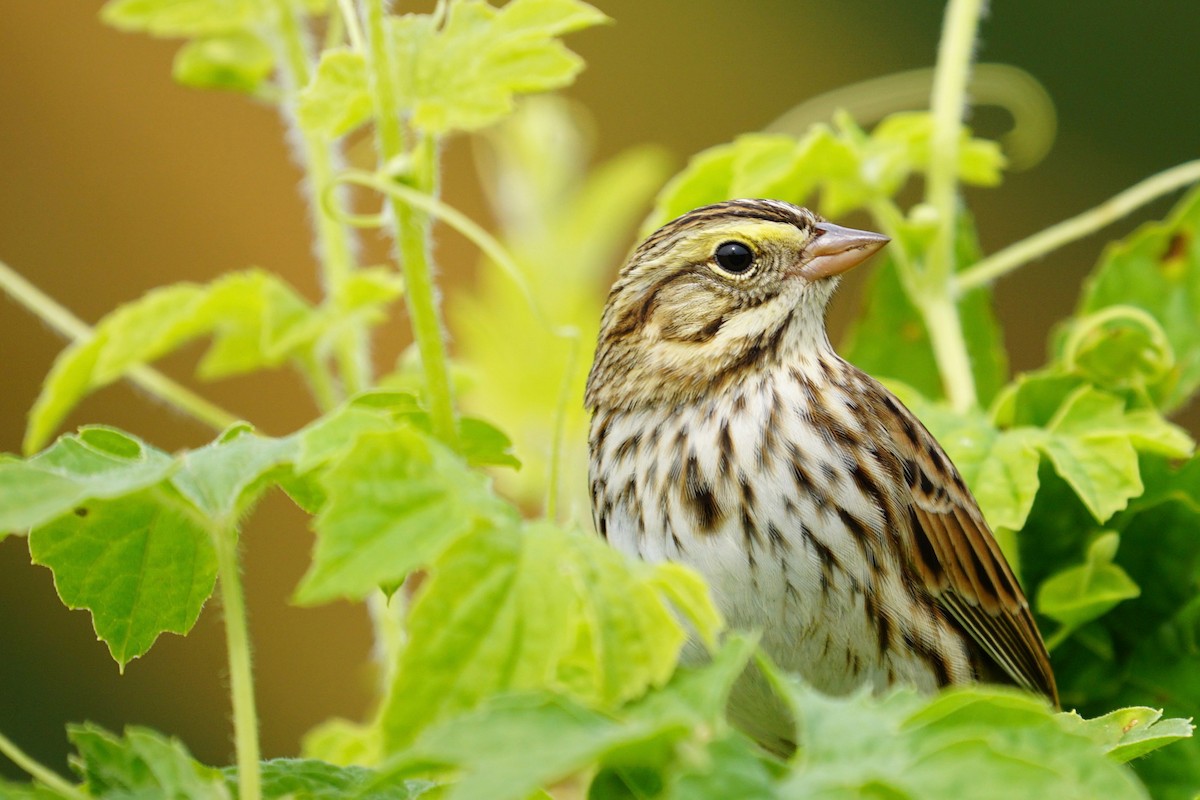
(1091, 442)
(252, 314)
(532, 608)
(142, 764)
(172, 18)
(1080, 594)
(286, 778)
(396, 500)
(728, 766)
(340, 741)
(464, 75)
(142, 563)
(848, 166)
(224, 477)
(238, 62)
(336, 100)
(513, 744)
(976, 742)
(1157, 269)
(1129, 733)
(97, 463)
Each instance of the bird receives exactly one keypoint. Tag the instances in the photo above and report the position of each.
(726, 434)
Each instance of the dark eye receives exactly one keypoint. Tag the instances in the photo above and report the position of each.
(734, 257)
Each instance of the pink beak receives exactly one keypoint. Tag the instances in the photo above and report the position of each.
(837, 249)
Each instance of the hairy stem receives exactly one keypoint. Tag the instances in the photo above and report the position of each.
(241, 680)
(72, 327)
(494, 250)
(937, 302)
(40, 772)
(412, 227)
(321, 158)
(1067, 231)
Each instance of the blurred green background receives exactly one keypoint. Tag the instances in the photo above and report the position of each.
(114, 180)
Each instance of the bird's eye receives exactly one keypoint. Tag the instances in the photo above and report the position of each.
(734, 257)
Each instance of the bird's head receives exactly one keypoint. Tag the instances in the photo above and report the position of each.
(723, 289)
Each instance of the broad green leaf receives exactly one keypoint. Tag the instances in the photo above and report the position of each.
(251, 312)
(1157, 269)
(223, 478)
(181, 17)
(533, 608)
(308, 779)
(336, 100)
(513, 744)
(464, 74)
(397, 499)
(27, 791)
(978, 742)
(849, 167)
(142, 563)
(1080, 594)
(1129, 733)
(238, 62)
(141, 764)
(97, 463)
(728, 766)
(890, 339)
(1091, 442)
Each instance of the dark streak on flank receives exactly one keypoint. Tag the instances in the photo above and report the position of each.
(698, 494)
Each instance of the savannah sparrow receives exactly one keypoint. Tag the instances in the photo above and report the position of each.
(728, 435)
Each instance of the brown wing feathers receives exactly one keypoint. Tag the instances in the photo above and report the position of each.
(954, 551)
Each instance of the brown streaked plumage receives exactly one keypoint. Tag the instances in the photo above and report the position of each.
(728, 435)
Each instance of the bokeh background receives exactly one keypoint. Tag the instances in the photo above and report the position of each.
(114, 180)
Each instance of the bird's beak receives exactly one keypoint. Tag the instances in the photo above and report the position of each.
(837, 249)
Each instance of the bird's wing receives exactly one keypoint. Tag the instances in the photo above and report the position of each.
(953, 551)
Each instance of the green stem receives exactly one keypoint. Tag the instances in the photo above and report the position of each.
(937, 302)
(412, 228)
(241, 680)
(321, 158)
(55, 782)
(72, 327)
(495, 251)
(1067, 231)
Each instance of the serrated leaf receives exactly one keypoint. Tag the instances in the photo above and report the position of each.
(1091, 442)
(978, 742)
(1078, 595)
(336, 100)
(1128, 733)
(464, 75)
(96, 463)
(247, 308)
(181, 17)
(142, 763)
(238, 62)
(513, 744)
(848, 166)
(1157, 269)
(512, 609)
(396, 500)
(142, 564)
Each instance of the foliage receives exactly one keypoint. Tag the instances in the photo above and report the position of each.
(533, 656)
